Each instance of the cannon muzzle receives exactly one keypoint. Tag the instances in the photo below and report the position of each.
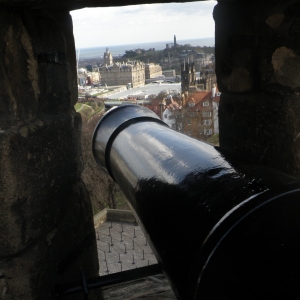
(220, 228)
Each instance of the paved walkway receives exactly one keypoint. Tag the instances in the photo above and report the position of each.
(121, 247)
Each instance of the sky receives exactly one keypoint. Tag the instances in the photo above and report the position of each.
(96, 27)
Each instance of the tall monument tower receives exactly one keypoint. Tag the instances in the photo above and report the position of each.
(175, 43)
(107, 58)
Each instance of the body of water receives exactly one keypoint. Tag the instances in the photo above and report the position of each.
(87, 53)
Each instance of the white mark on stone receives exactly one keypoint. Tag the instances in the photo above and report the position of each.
(275, 20)
(39, 122)
(279, 56)
(24, 131)
(286, 65)
(296, 137)
(50, 236)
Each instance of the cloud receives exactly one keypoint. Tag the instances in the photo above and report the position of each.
(142, 23)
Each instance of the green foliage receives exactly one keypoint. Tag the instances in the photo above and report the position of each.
(90, 108)
(121, 201)
(85, 110)
(91, 104)
(214, 139)
(151, 56)
(159, 55)
(77, 106)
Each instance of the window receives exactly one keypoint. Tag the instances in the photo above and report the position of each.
(189, 132)
(192, 114)
(165, 116)
(188, 121)
(206, 114)
(207, 122)
(206, 103)
(191, 104)
(207, 131)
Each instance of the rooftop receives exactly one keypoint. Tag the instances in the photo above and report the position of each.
(151, 88)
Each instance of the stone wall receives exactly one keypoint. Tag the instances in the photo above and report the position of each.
(258, 70)
(46, 223)
(46, 226)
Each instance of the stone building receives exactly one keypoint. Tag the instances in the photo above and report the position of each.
(197, 117)
(169, 73)
(123, 73)
(47, 232)
(189, 84)
(133, 72)
(94, 77)
(111, 73)
(152, 70)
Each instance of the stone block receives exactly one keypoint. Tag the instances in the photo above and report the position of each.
(262, 128)
(236, 47)
(46, 224)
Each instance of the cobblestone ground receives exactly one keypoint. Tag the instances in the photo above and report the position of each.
(121, 247)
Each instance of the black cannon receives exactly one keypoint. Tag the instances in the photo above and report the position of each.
(220, 227)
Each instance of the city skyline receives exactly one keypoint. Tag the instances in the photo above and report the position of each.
(96, 27)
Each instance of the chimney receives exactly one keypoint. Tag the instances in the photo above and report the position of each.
(213, 91)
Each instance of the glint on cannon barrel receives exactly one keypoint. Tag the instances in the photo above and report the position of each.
(220, 228)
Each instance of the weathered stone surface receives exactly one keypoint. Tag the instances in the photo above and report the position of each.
(39, 165)
(279, 54)
(46, 224)
(55, 257)
(259, 47)
(286, 66)
(45, 59)
(275, 20)
(263, 128)
(45, 216)
(236, 47)
(258, 67)
(153, 287)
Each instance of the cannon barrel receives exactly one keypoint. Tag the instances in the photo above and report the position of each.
(221, 228)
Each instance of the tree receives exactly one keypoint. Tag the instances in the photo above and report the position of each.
(162, 95)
